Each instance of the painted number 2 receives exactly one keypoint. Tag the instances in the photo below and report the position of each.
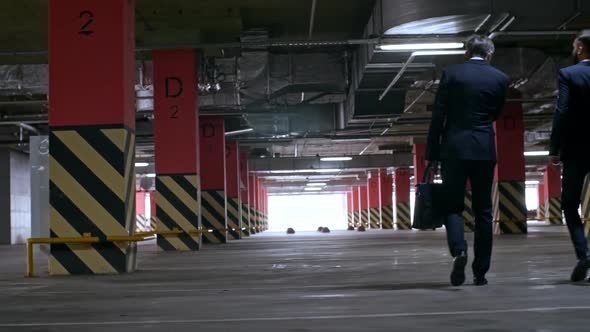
(174, 110)
(86, 28)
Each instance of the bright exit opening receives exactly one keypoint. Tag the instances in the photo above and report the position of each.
(307, 212)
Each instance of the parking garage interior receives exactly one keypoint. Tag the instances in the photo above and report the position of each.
(251, 165)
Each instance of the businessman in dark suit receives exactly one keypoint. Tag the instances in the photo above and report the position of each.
(470, 98)
(570, 146)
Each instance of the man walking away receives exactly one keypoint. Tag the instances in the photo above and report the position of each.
(569, 146)
(470, 98)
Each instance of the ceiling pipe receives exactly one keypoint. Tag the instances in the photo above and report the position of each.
(410, 60)
(28, 127)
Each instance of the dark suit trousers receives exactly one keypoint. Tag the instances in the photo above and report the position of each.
(574, 173)
(455, 174)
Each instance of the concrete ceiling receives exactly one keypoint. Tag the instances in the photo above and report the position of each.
(313, 98)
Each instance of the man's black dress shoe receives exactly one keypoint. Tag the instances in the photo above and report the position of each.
(458, 273)
(581, 270)
(480, 281)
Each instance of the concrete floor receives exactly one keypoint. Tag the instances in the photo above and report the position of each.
(343, 281)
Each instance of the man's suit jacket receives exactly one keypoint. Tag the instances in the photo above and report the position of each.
(470, 98)
(572, 118)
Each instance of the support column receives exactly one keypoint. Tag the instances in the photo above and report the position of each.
(349, 210)
(468, 215)
(541, 198)
(92, 134)
(176, 149)
(401, 183)
(364, 202)
(386, 191)
(265, 209)
(244, 192)
(374, 192)
(232, 185)
(509, 204)
(253, 183)
(213, 194)
(356, 210)
(552, 179)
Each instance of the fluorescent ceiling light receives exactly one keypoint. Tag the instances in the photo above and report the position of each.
(350, 140)
(425, 53)
(531, 182)
(336, 158)
(239, 132)
(536, 153)
(421, 46)
(142, 164)
(150, 175)
(312, 189)
(316, 184)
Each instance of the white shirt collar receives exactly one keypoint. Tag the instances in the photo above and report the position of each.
(477, 58)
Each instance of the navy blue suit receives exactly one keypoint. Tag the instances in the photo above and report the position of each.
(470, 98)
(570, 123)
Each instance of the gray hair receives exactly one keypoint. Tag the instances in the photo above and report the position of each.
(481, 46)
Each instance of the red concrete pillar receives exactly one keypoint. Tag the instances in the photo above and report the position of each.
(401, 183)
(553, 195)
(253, 183)
(232, 185)
(419, 151)
(364, 205)
(265, 204)
(350, 209)
(386, 191)
(374, 192)
(176, 149)
(92, 134)
(510, 213)
(213, 192)
(541, 199)
(244, 191)
(140, 202)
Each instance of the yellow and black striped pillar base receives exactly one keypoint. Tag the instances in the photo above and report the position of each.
(245, 220)
(586, 205)
(541, 212)
(213, 216)
(553, 211)
(350, 219)
(177, 208)
(468, 215)
(365, 218)
(510, 213)
(387, 217)
(375, 219)
(92, 192)
(253, 220)
(403, 218)
(233, 219)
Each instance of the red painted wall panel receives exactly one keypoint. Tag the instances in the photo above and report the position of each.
(175, 111)
(552, 182)
(212, 153)
(91, 62)
(419, 151)
(140, 202)
(373, 190)
(244, 178)
(232, 170)
(402, 185)
(510, 144)
(386, 187)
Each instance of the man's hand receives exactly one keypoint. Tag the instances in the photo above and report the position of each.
(554, 160)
